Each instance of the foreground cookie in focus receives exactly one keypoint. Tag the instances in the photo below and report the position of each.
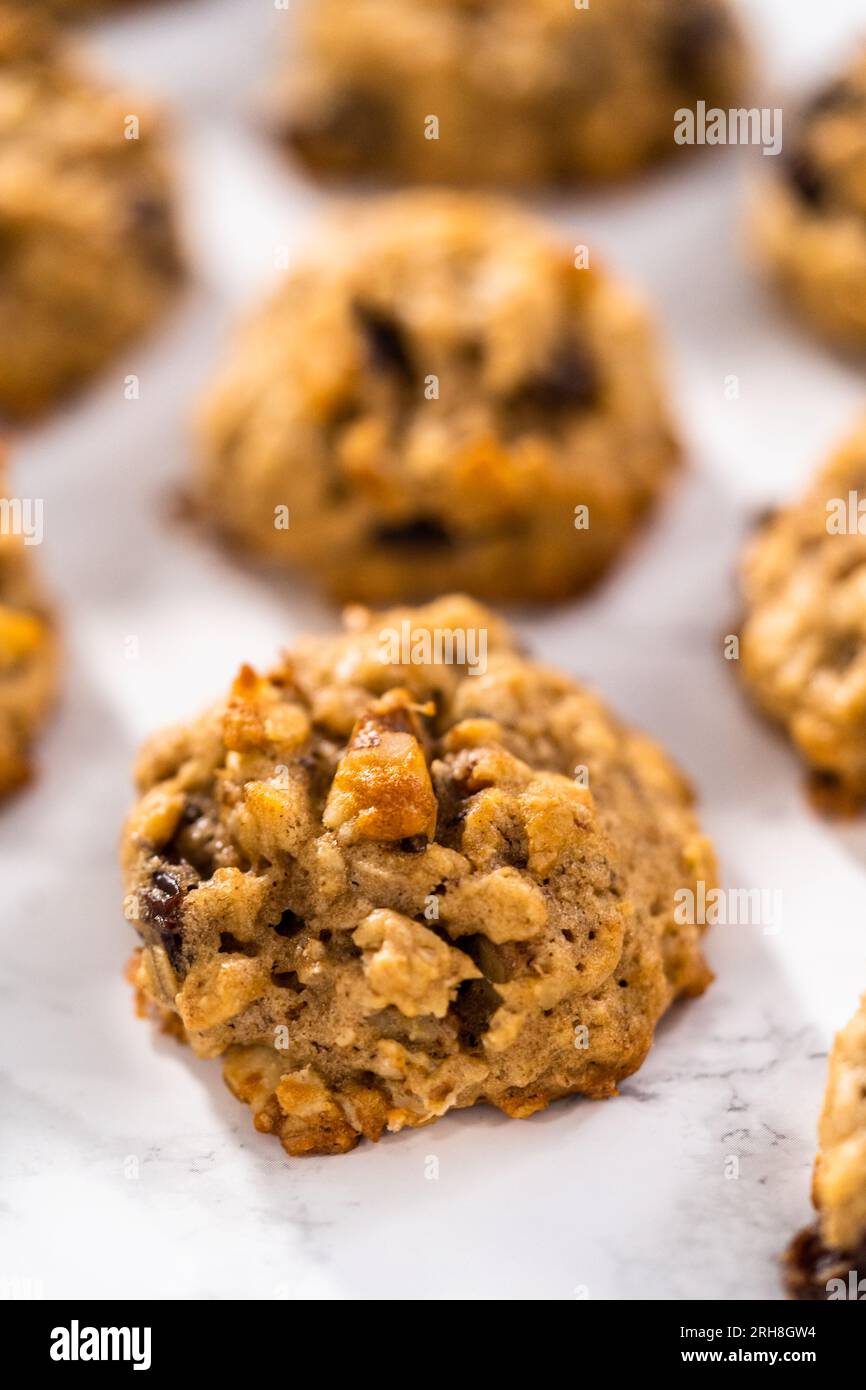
(810, 223)
(437, 398)
(372, 882)
(521, 91)
(828, 1260)
(803, 640)
(89, 251)
(28, 647)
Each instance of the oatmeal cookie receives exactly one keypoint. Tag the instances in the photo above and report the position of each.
(28, 650)
(836, 1245)
(410, 870)
(524, 91)
(89, 250)
(438, 398)
(810, 222)
(803, 640)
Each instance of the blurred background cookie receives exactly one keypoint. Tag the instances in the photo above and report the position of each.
(406, 873)
(803, 641)
(810, 223)
(90, 255)
(521, 91)
(437, 397)
(28, 641)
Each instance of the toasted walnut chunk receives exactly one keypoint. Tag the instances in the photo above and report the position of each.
(382, 788)
(407, 965)
(503, 905)
(216, 991)
(156, 977)
(274, 819)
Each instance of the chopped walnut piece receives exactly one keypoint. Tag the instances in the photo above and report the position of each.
(409, 966)
(311, 1118)
(503, 905)
(156, 976)
(382, 788)
(158, 814)
(218, 990)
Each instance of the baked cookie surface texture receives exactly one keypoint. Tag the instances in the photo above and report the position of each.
(810, 222)
(803, 638)
(411, 870)
(89, 251)
(828, 1260)
(439, 397)
(509, 91)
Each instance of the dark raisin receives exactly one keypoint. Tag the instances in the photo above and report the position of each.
(149, 213)
(161, 902)
(805, 178)
(471, 352)
(289, 924)
(489, 957)
(414, 844)
(475, 1005)
(835, 97)
(287, 979)
(231, 945)
(568, 384)
(764, 517)
(355, 129)
(422, 533)
(152, 228)
(699, 29)
(841, 649)
(172, 944)
(386, 343)
(343, 414)
(518, 854)
(824, 778)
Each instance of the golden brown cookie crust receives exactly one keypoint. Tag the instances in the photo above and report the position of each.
(839, 1188)
(803, 641)
(827, 1254)
(90, 256)
(524, 91)
(810, 222)
(438, 398)
(379, 890)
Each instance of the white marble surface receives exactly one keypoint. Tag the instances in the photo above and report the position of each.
(127, 1169)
